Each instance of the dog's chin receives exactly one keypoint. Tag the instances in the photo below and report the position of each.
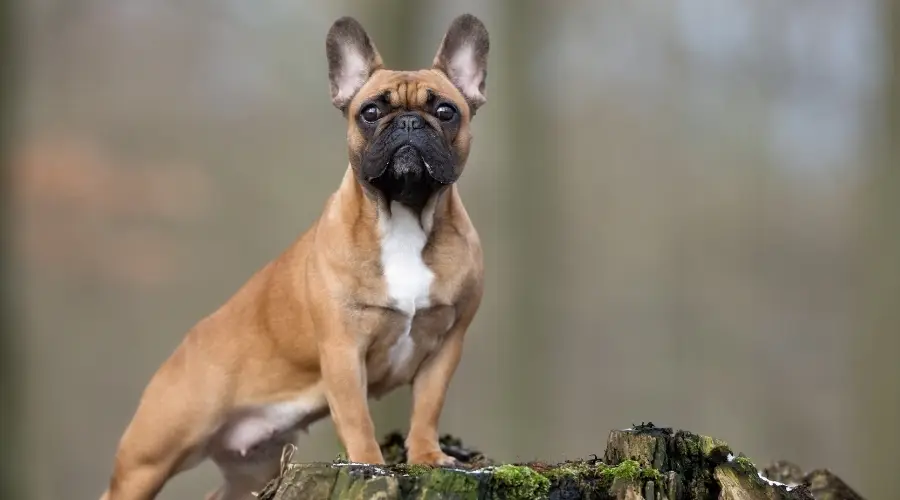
(407, 179)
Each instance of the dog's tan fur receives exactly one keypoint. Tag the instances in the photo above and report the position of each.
(311, 334)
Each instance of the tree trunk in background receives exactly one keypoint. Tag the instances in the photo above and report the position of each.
(10, 484)
(877, 369)
(530, 207)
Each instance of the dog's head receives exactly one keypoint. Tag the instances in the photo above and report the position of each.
(408, 131)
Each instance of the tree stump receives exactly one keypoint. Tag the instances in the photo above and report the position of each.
(640, 463)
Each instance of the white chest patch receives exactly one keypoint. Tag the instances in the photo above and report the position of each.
(407, 277)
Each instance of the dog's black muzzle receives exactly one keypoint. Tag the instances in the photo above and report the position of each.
(409, 161)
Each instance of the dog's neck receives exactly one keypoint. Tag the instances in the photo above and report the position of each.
(359, 205)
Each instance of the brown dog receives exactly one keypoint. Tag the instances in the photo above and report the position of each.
(378, 293)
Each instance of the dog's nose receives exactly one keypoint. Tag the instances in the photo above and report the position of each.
(409, 121)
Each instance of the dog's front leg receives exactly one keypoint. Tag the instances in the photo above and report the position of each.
(344, 375)
(430, 387)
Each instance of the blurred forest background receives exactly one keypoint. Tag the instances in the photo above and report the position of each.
(689, 209)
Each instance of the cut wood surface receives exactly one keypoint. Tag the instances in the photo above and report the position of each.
(644, 462)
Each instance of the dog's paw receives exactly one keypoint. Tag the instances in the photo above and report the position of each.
(433, 458)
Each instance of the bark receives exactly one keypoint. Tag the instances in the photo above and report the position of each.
(644, 462)
(823, 484)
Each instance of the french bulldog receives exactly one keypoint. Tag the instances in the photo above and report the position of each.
(377, 294)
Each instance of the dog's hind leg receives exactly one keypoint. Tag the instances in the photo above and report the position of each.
(177, 415)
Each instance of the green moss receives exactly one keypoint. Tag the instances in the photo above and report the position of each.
(744, 467)
(413, 469)
(573, 470)
(440, 483)
(441, 477)
(518, 482)
(596, 479)
(628, 469)
(442, 480)
(745, 463)
(708, 444)
(373, 487)
(651, 474)
(686, 446)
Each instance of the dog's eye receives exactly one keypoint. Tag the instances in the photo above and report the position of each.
(370, 113)
(445, 112)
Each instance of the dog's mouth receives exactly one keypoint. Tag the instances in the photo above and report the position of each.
(407, 178)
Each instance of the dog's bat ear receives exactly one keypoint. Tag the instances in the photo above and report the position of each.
(462, 56)
(352, 58)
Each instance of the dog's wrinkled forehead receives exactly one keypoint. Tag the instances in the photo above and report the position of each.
(411, 90)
